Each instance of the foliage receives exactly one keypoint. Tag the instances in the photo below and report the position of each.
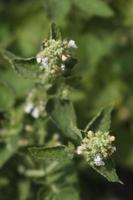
(38, 149)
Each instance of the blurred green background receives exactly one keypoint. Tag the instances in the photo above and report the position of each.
(103, 31)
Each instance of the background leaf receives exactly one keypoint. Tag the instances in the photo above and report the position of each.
(7, 96)
(102, 121)
(58, 153)
(95, 7)
(9, 149)
(62, 114)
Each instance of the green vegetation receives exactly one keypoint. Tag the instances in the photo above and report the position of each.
(66, 109)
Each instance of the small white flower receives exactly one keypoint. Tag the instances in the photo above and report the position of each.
(98, 161)
(63, 67)
(72, 44)
(39, 59)
(114, 149)
(112, 138)
(45, 62)
(64, 58)
(35, 113)
(28, 107)
(80, 150)
(90, 133)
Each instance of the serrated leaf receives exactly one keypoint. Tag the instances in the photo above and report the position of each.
(101, 121)
(63, 115)
(7, 96)
(26, 67)
(95, 7)
(58, 153)
(54, 32)
(108, 171)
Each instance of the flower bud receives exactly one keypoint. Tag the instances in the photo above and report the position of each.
(72, 44)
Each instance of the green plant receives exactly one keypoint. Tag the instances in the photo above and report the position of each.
(42, 129)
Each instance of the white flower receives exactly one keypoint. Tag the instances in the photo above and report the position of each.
(63, 67)
(114, 149)
(64, 58)
(45, 62)
(80, 150)
(112, 138)
(28, 107)
(35, 113)
(98, 161)
(38, 59)
(72, 44)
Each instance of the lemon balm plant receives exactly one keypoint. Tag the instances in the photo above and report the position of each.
(42, 131)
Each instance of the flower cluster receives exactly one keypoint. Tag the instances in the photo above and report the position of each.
(55, 54)
(96, 147)
(35, 105)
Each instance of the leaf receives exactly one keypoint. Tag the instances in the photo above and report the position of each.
(108, 171)
(106, 119)
(58, 10)
(9, 149)
(7, 96)
(20, 86)
(7, 54)
(68, 193)
(65, 193)
(54, 32)
(101, 121)
(58, 153)
(95, 7)
(63, 115)
(27, 67)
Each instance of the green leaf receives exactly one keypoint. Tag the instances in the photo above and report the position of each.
(27, 67)
(101, 121)
(106, 119)
(7, 96)
(108, 171)
(63, 115)
(95, 7)
(9, 149)
(58, 153)
(20, 86)
(54, 32)
(7, 54)
(58, 10)
(65, 193)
